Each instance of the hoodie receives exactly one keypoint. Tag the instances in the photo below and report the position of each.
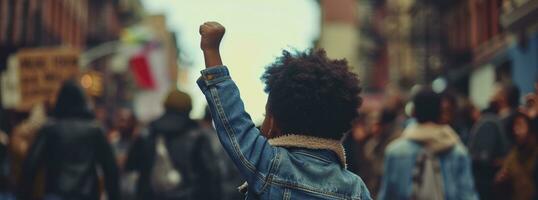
(437, 138)
(400, 161)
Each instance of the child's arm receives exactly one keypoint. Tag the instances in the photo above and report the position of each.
(250, 151)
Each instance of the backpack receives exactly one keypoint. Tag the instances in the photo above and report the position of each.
(164, 176)
(427, 178)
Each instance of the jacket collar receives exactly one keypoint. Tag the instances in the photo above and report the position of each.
(437, 138)
(309, 142)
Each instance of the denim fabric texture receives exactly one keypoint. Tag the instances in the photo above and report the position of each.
(273, 172)
(400, 158)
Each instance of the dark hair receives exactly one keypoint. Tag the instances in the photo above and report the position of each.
(71, 102)
(512, 95)
(533, 128)
(451, 98)
(427, 106)
(388, 116)
(530, 122)
(311, 94)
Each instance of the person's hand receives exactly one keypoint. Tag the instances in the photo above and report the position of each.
(212, 33)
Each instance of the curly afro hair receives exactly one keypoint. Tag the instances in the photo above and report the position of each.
(310, 94)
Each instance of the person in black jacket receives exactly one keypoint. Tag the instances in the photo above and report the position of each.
(230, 178)
(71, 148)
(189, 159)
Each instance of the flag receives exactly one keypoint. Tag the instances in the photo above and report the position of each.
(142, 72)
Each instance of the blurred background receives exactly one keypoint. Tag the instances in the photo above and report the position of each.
(131, 52)
(128, 54)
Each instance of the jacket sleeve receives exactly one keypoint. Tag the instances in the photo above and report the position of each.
(248, 149)
(34, 160)
(387, 191)
(105, 157)
(465, 183)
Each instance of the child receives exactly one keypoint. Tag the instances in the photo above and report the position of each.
(312, 102)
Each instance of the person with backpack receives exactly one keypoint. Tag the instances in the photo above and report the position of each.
(173, 157)
(298, 153)
(428, 162)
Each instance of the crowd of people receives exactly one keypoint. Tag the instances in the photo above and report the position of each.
(497, 145)
(66, 153)
(425, 145)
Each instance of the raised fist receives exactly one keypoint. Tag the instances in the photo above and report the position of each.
(212, 33)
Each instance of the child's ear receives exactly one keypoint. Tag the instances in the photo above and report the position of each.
(266, 126)
(275, 128)
(269, 127)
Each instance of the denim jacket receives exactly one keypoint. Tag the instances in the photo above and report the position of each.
(290, 167)
(401, 155)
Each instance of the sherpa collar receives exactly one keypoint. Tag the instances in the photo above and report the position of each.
(310, 142)
(307, 142)
(437, 138)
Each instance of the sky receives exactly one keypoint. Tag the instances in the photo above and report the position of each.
(256, 33)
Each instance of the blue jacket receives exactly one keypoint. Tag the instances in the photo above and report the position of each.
(290, 167)
(400, 157)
